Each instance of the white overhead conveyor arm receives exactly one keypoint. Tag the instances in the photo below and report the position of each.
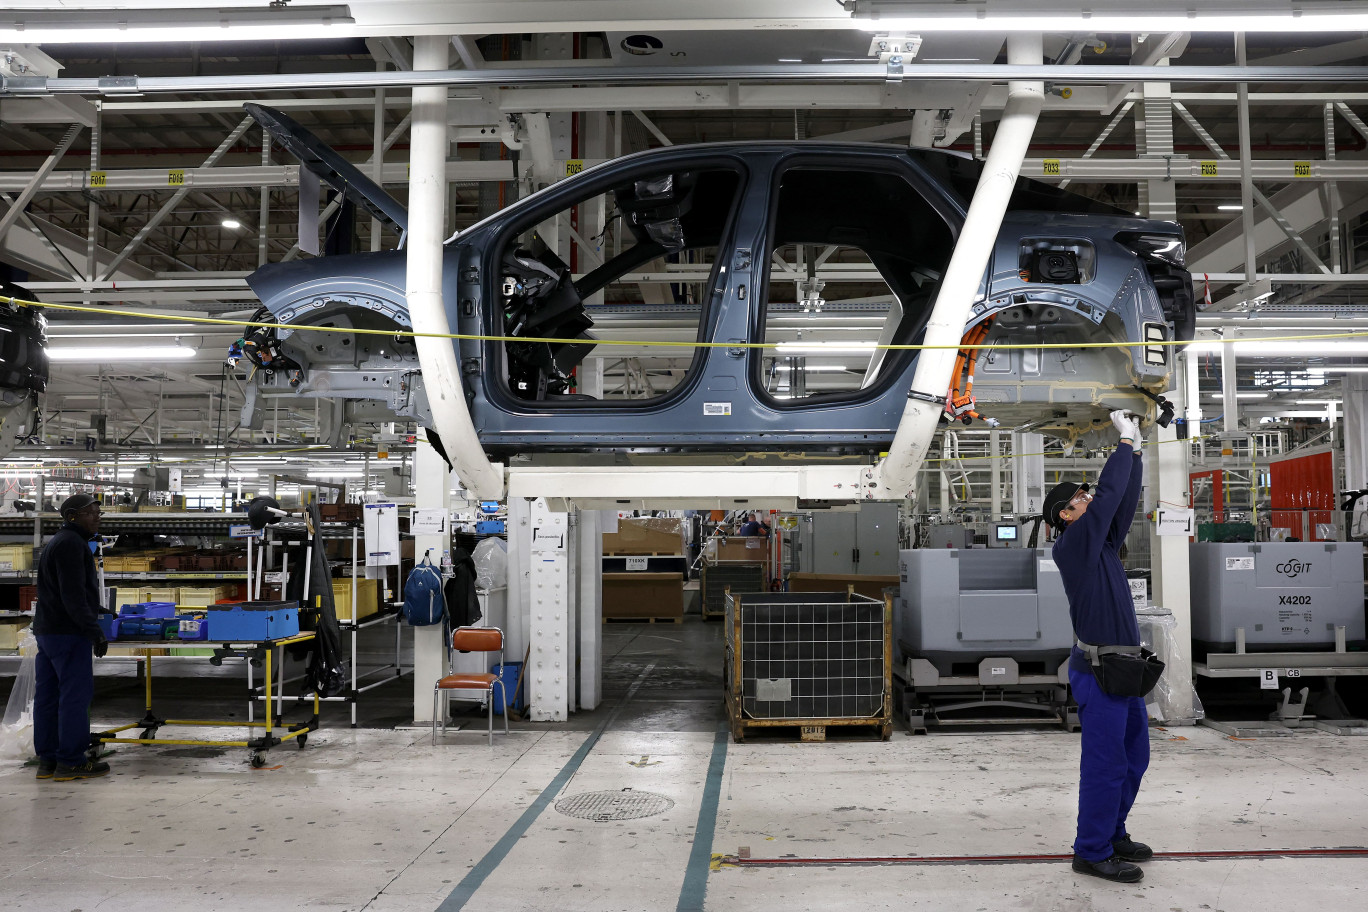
(892, 478)
(427, 197)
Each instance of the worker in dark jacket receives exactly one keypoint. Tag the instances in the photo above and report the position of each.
(67, 627)
(1115, 740)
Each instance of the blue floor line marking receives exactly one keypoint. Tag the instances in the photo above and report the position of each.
(495, 856)
(475, 878)
(695, 888)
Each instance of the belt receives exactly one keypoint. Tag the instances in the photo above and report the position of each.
(1095, 653)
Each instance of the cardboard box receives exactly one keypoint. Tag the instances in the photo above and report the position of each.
(753, 549)
(646, 535)
(643, 595)
(367, 598)
(868, 585)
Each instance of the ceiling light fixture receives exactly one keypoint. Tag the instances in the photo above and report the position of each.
(1310, 348)
(120, 353)
(1230, 207)
(43, 26)
(1155, 16)
(231, 224)
(1240, 395)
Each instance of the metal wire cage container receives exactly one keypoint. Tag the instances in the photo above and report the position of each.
(808, 659)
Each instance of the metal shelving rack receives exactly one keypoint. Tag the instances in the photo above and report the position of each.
(352, 626)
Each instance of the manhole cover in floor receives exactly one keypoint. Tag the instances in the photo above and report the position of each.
(626, 804)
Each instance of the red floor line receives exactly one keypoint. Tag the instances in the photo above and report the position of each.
(737, 861)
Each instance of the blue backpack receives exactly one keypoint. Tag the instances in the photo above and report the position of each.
(423, 602)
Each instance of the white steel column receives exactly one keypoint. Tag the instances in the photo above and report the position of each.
(1166, 472)
(551, 665)
(431, 488)
(995, 475)
(589, 598)
(894, 476)
(1028, 474)
(1355, 431)
(426, 230)
(1230, 401)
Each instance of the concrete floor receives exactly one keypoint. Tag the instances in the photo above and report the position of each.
(378, 819)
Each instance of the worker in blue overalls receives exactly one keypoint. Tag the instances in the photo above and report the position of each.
(1092, 526)
(69, 639)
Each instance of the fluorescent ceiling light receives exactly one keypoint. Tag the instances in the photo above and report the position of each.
(1230, 207)
(231, 223)
(44, 26)
(1154, 16)
(1240, 395)
(118, 352)
(1309, 348)
(827, 348)
(1351, 369)
(335, 473)
(1325, 402)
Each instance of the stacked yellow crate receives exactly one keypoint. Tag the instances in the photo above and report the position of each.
(16, 557)
(367, 598)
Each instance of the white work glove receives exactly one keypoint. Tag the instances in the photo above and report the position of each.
(1127, 424)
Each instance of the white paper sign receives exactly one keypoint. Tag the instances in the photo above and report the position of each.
(382, 535)
(1268, 679)
(636, 563)
(1239, 563)
(1176, 521)
(427, 521)
(1139, 592)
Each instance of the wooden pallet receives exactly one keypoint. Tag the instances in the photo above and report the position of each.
(645, 620)
(812, 730)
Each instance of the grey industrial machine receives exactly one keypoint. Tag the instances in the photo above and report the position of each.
(845, 542)
(965, 605)
(1282, 595)
(985, 631)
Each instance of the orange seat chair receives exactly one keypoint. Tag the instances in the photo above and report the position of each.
(471, 639)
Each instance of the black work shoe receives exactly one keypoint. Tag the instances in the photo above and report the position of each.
(1129, 850)
(1111, 869)
(91, 769)
(46, 768)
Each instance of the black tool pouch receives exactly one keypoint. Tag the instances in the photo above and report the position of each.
(1124, 675)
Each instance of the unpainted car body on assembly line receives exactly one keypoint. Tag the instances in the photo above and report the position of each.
(791, 261)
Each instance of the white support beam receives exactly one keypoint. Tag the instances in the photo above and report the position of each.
(685, 487)
(1167, 482)
(551, 663)
(174, 201)
(35, 182)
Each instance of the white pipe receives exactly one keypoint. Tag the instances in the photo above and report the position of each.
(894, 476)
(427, 204)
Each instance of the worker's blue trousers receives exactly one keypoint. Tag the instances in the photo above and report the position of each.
(1115, 756)
(61, 698)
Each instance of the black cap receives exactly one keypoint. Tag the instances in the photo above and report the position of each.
(75, 504)
(1058, 499)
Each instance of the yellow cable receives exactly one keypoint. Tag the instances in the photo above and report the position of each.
(473, 337)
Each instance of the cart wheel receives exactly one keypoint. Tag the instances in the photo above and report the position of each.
(258, 761)
(302, 740)
(148, 734)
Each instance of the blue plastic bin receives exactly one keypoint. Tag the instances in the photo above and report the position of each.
(490, 527)
(109, 626)
(149, 610)
(193, 628)
(508, 674)
(235, 623)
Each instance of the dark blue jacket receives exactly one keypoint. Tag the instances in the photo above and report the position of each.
(1088, 556)
(68, 587)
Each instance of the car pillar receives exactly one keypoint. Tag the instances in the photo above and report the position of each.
(896, 473)
(427, 201)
